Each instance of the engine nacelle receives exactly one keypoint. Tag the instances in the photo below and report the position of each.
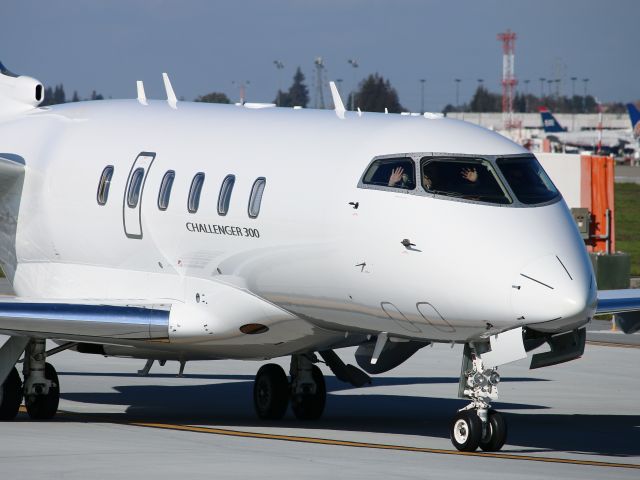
(18, 93)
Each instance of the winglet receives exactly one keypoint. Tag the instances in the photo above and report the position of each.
(142, 98)
(337, 101)
(171, 96)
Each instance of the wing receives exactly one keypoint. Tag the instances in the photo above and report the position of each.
(84, 320)
(625, 304)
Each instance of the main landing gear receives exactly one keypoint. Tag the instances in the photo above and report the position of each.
(478, 425)
(41, 388)
(307, 391)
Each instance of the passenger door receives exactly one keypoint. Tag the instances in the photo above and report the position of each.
(133, 195)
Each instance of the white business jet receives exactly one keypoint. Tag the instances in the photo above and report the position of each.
(165, 230)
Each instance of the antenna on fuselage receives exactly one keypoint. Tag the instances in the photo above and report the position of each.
(171, 96)
(337, 101)
(142, 98)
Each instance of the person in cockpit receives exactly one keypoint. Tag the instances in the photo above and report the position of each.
(400, 179)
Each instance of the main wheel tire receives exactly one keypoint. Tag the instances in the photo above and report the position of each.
(44, 407)
(466, 431)
(496, 433)
(10, 396)
(271, 392)
(311, 407)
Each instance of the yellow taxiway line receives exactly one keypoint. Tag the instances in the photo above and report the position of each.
(379, 446)
(612, 344)
(345, 443)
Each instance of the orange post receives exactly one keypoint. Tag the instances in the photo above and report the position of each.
(600, 171)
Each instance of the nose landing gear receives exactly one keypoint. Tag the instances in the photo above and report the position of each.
(477, 425)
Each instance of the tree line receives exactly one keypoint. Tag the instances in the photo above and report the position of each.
(485, 101)
(56, 95)
(375, 94)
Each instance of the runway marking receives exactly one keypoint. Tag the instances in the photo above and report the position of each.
(378, 446)
(612, 344)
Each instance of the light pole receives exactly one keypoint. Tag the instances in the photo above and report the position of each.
(573, 98)
(242, 86)
(542, 79)
(339, 84)
(279, 65)
(422, 82)
(526, 96)
(585, 80)
(457, 80)
(480, 82)
(354, 64)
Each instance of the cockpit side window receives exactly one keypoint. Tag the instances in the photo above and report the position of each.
(528, 180)
(467, 178)
(392, 172)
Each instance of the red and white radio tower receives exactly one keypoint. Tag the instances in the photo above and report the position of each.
(509, 81)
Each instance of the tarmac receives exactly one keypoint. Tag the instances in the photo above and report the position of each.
(580, 420)
(627, 174)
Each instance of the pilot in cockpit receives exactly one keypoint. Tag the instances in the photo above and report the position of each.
(400, 179)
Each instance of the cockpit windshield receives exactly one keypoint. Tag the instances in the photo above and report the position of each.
(465, 178)
(527, 180)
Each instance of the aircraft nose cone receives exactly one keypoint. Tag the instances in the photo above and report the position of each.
(552, 289)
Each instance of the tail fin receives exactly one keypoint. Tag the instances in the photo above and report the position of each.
(18, 93)
(634, 115)
(549, 122)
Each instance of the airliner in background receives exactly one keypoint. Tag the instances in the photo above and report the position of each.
(166, 230)
(608, 141)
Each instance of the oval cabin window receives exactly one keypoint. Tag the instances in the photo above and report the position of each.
(194, 192)
(165, 189)
(224, 198)
(256, 197)
(104, 184)
(133, 195)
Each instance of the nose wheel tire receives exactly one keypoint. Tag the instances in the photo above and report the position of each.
(495, 433)
(271, 392)
(10, 396)
(311, 406)
(44, 407)
(466, 431)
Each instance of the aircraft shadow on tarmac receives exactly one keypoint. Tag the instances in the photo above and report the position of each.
(230, 404)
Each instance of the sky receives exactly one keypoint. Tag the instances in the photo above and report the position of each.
(207, 45)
